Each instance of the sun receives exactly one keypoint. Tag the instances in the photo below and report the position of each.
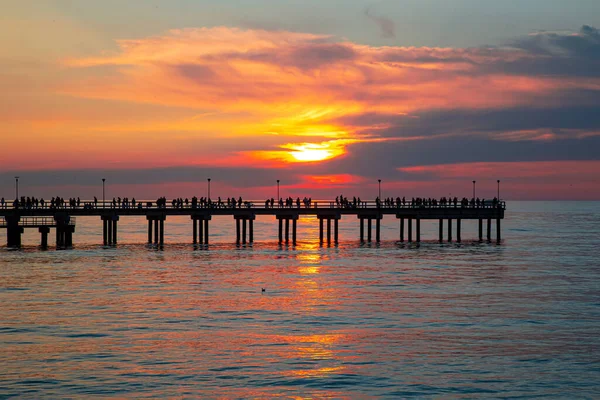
(311, 152)
(307, 155)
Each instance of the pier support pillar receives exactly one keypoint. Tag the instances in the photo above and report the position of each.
(335, 230)
(402, 229)
(114, 224)
(159, 228)
(449, 230)
(206, 229)
(293, 217)
(328, 230)
(480, 230)
(369, 229)
(458, 238)
(362, 230)
(251, 231)
(162, 232)
(194, 232)
(156, 231)
(64, 231)
(287, 230)
(498, 237)
(410, 230)
(13, 231)
(244, 223)
(418, 223)
(149, 233)
(294, 226)
(200, 223)
(320, 230)
(237, 231)
(489, 230)
(441, 233)
(378, 230)
(44, 230)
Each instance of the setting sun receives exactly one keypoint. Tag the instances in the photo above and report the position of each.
(307, 154)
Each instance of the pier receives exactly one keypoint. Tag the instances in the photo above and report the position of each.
(15, 219)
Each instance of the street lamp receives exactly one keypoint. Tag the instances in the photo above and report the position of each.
(278, 190)
(379, 180)
(103, 180)
(17, 186)
(473, 189)
(498, 189)
(209, 188)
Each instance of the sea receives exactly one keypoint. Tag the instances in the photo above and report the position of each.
(519, 319)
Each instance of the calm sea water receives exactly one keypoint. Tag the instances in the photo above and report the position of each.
(520, 319)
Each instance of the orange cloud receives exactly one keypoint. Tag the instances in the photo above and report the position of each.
(282, 85)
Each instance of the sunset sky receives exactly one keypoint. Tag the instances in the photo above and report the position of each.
(328, 96)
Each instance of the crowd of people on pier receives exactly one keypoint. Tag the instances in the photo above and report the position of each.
(231, 202)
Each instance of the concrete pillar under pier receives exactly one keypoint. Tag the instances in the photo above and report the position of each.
(114, 223)
(328, 230)
(402, 229)
(149, 232)
(378, 230)
(458, 237)
(59, 238)
(320, 230)
(449, 230)
(335, 230)
(287, 230)
(441, 233)
(244, 222)
(13, 231)
(251, 231)
(480, 229)
(498, 236)
(110, 232)
(409, 230)
(294, 226)
(155, 231)
(105, 232)
(44, 230)
(162, 232)
(281, 231)
(245, 232)
(64, 231)
(200, 223)
(489, 230)
(362, 230)
(194, 231)
(418, 223)
(159, 227)
(68, 232)
(369, 229)
(206, 230)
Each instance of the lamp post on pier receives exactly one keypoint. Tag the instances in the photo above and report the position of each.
(103, 180)
(17, 187)
(208, 188)
(379, 180)
(474, 189)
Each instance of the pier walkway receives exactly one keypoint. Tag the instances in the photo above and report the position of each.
(369, 213)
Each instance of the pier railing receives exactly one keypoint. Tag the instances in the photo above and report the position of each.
(30, 222)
